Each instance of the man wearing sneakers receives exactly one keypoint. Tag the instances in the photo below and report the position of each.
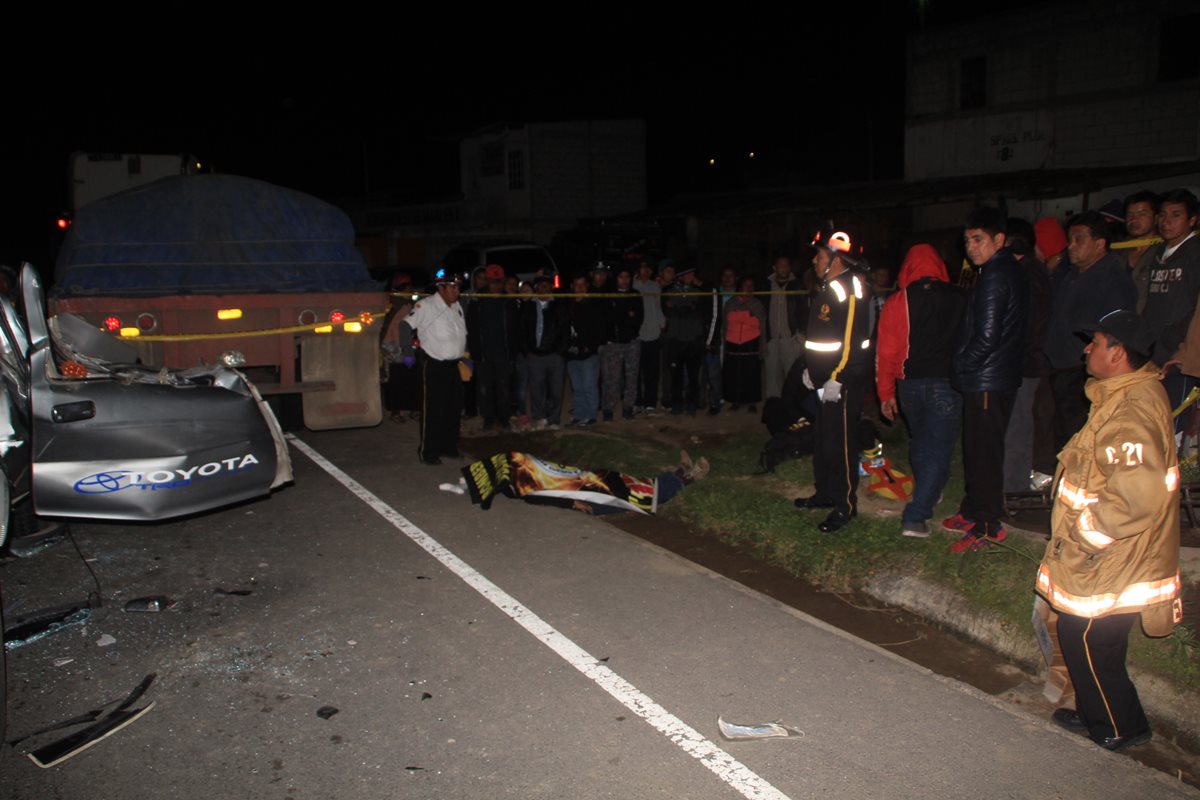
(917, 333)
(1113, 556)
(987, 371)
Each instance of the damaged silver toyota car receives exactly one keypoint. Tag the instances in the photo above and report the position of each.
(90, 434)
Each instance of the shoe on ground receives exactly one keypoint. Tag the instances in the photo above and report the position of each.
(915, 530)
(1118, 743)
(685, 461)
(676, 411)
(712, 412)
(1038, 481)
(541, 425)
(629, 413)
(574, 422)
(958, 524)
(586, 423)
(1068, 718)
(456, 455)
(553, 426)
(835, 522)
(810, 503)
(734, 406)
(608, 416)
(974, 542)
(431, 462)
(699, 470)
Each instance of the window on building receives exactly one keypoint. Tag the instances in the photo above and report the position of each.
(1178, 58)
(516, 169)
(491, 159)
(972, 83)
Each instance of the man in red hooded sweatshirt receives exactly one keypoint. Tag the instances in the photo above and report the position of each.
(918, 331)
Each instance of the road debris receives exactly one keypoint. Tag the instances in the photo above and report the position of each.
(105, 640)
(757, 730)
(155, 602)
(219, 592)
(46, 622)
(325, 712)
(58, 752)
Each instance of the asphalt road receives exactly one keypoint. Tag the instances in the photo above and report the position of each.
(519, 652)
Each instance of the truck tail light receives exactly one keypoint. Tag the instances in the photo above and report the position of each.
(229, 313)
(131, 331)
(112, 324)
(146, 322)
(352, 327)
(337, 317)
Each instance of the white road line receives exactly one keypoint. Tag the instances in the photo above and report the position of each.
(724, 766)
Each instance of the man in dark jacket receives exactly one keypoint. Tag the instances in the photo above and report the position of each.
(620, 356)
(589, 323)
(918, 330)
(987, 370)
(493, 339)
(544, 335)
(1095, 284)
(1174, 285)
(1021, 445)
(683, 341)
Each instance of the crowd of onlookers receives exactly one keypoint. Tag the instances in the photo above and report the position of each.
(657, 338)
(630, 341)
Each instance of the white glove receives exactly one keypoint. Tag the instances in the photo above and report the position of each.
(808, 384)
(832, 391)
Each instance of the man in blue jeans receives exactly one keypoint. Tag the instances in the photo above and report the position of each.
(918, 331)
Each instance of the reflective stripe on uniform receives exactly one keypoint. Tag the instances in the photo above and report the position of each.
(838, 290)
(857, 286)
(1133, 596)
(822, 347)
(1089, 531)
(1172, 478)
(1075, 497)
(866, 344)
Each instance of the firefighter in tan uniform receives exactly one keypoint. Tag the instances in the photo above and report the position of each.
(838, 358)
(1114, 549)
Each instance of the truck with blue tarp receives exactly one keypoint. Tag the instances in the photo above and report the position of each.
(190, 267)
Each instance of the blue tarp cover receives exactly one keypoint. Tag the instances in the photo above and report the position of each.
(209, 234)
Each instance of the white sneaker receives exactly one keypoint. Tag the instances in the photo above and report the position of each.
(915, 530)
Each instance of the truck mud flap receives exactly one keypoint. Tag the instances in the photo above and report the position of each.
(352, 363)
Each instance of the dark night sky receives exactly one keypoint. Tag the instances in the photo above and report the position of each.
(817, 97)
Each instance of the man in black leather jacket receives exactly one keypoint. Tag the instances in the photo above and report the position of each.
(987, 370)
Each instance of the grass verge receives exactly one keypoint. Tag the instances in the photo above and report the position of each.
(756, 512)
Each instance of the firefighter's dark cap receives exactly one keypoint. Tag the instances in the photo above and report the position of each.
(1127, 327)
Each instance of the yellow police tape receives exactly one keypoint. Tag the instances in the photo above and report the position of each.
(1188, 401)
(366, 318)
(1132, 243)
(408, 296)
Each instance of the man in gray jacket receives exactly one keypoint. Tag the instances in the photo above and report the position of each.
(787, 315)
(649, 335)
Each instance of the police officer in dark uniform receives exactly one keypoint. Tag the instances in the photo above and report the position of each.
(839, 357)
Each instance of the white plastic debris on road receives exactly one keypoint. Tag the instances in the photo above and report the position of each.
(757, 730)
